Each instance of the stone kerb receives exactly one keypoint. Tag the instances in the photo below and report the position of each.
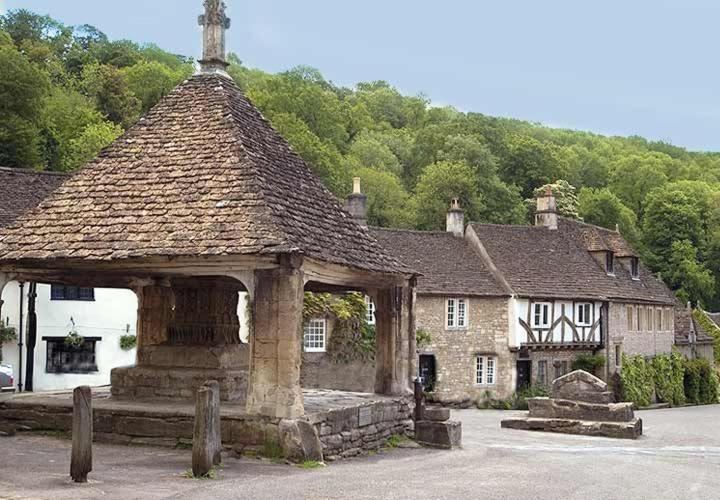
(580, 385)
(579, 410)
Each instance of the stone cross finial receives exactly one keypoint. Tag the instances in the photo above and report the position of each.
(214, 23)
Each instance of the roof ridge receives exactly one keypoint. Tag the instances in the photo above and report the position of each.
(30, 171)
(416, 231)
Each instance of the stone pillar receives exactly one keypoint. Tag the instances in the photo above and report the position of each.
(155, 311)
(275, 344)
(394, 329)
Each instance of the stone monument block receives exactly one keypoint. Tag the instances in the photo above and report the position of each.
(581, 386)
(446, 435)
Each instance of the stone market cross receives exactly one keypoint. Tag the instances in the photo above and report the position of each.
(199, 200)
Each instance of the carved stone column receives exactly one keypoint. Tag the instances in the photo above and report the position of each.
(275, 345)
(155, 309)
(394, 338)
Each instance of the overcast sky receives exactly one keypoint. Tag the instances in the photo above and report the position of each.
(645, 67)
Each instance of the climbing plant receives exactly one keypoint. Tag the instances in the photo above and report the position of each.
(668, 378)
(637, 380)
(712, 329)
(588, 362)
(7, 334)
(352, 338)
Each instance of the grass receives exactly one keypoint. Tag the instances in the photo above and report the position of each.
(53, 433)
(272, 450)
(310, 464)
(211, 474)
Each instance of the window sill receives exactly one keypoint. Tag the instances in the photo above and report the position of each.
(456, 328)
(72, 300)
(316, 350)
(485, 385)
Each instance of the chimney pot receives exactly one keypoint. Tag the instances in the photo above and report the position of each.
(356, 204)
(356, 185)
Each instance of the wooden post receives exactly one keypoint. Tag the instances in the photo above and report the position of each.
(82, 434)
(206, 448)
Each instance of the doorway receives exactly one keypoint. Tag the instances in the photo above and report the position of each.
(426, 372)
(524, 374)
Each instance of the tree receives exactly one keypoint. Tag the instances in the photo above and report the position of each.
(441, 183)
(565, 197)
(106, 85)
(602, 208)
(88, 144)
(150, 81)
(369, 151)
(529, 163)
(633, 177)
(22, 88)
(690, 278)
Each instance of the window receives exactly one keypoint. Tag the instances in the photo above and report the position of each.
(659, 319)
(457, 313)
(63, 292)
(542, 372)
(65, 358)
(668, 319)
(640, 319)
(485, 370)
(649, 324)
(583, 314)
(618, 355)
(635, 267)
(370, 307)
(609, 262)
(630, 318)
(561, 368)
(541, 315)
(314, 336)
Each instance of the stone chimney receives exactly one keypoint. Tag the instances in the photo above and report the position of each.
(456, 219)
(356, 204)
(214, 23)
(546, 213)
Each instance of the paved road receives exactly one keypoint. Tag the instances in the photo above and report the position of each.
(679, 457)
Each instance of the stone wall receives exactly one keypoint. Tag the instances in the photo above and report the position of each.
(318, 371)
(553, 357)
(646, 342)
(455, 349)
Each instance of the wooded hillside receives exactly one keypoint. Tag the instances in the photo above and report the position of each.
(66, 92)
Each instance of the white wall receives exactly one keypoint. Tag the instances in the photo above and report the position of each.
(112, 314)
(518, 334)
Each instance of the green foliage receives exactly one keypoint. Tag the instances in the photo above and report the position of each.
(271, 449)
(423, 338)
(7, 334)
(211, 474)
(668, 377)
(352, 338)
(128, 342)
(310, 464)
(74, 339)
(565, 196)
(519, 400)
(712, 329)
(637, 380)
(588, 362)
(440, 183)
(603, 208)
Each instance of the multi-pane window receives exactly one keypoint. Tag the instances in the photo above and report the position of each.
(370, 308)
(583, 314)
(541, 315)
(561, 368)
(62, 357)
(485, 370)
(635, 267)
(640, 318)
(457, 313)
(314, 335)
(542, 372)
(630, 318)
(668, 318)
(63, 292)
(610, 262)
(649, 324)
(659, 319)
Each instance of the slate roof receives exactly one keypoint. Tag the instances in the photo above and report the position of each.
(203, 174)
(448, 265)
(23, 190)
(544, 263)
(686, 325)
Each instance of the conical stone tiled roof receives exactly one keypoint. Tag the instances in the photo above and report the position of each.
(203, 174)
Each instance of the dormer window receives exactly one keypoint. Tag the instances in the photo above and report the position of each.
(635, 268)
(610, 262)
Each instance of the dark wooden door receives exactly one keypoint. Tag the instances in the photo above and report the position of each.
(524, 373)
(427, 371)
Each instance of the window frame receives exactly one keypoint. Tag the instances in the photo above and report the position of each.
(547, 308)
(485, 369)
(370, 311)
(562, 367)
(542, 372)
(630, 312)
(589, 308)
(452, 313)
(56, 349)
(69, 293)
(308, 333)
(610, 262)
(635, 268)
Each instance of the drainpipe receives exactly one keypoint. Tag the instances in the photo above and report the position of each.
(20, 338)
(31, 337)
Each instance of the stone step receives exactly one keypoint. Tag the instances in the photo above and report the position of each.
(579, 410)
(621, 430)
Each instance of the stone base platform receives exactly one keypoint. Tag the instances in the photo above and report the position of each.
(621, 430)
(347, 423)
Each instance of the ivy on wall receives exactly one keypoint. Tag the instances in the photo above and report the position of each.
(351, 338)
(712, 329)
(637, 380)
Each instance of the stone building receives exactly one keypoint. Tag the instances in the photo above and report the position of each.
(691, 338)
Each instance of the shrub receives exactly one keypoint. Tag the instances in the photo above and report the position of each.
(637, 380)
(588, 362)
(691, 381)
(519, 399)
(708, 390)
(668, 378)
(127, 342)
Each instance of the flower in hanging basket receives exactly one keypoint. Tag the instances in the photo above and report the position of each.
(74, 339)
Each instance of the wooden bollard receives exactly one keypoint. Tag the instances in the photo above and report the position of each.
(82, 434)
(206, 445)
(419, 394)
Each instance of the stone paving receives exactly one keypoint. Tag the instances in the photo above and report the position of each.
(678, 457)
